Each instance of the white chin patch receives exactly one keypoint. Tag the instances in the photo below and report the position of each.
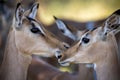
(64, 63)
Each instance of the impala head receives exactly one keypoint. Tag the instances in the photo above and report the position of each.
(95, 44)
(31, 37)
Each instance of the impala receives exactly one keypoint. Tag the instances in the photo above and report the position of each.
(25, 38)
(75, 34)
(97, 46)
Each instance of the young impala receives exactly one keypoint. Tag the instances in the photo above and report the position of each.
(25, 38)
(75, 34)
(97, 46)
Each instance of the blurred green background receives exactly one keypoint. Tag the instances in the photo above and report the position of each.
(78, 10)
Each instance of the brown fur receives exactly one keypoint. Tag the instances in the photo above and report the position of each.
(101, 50)
(21, 43)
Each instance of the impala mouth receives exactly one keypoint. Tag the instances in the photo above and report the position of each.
(64, 63)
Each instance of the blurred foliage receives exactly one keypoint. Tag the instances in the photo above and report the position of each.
(79, 10)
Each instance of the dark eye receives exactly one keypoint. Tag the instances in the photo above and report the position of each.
(65, 46)
(35, 30)
(85, 40)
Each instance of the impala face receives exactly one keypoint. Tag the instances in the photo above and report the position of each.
(94, 44)
(31, 37)
(81, 52)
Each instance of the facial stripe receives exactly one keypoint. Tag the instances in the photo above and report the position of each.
(31, 19)
(94, 28)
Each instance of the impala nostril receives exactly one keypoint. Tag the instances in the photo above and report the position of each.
(59, 56)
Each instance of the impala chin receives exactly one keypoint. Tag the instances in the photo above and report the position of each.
(65, 63)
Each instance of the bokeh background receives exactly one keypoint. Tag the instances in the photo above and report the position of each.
(81, 11)
(78, 10)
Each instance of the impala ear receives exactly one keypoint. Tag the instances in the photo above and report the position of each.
(64, 28)
(112, 23)
(90, 25)
(19, 12)
(61, 25)
(33, 11)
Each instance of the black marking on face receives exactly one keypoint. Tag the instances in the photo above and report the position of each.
(94, 28)
(31, 19)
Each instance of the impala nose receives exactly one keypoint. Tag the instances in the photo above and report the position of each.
(58, 54)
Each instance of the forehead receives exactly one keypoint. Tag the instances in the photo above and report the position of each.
(92, 33)
(29, 21)
(34, 23)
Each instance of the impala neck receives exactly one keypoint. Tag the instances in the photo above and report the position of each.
(86, 71)
(108, 67)
(15, 63)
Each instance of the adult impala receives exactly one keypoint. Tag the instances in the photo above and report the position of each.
(97, 46)
(25, 38)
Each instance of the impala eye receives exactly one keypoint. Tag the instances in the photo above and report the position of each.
(66, 46)
(34, 29)
(85, 40)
